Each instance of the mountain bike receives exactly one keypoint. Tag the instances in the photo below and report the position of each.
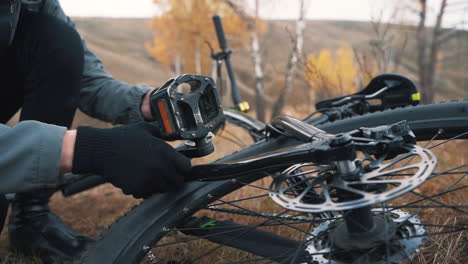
(362, 182)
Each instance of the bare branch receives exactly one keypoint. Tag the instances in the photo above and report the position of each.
(447, 35)
(399, 54)
(421, 39)
(251, 22)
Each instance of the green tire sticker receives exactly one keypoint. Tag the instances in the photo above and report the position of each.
(208, 224)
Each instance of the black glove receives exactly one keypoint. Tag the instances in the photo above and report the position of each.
(131, 158)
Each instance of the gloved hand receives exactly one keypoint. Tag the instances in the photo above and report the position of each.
(131, 158)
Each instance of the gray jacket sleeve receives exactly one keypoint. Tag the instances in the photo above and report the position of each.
(29, 156)
(101, 95)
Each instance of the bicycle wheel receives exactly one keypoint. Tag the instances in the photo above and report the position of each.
(237, 222)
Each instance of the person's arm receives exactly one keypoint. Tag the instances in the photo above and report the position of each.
(30, 156)
(101, 95)
(34, 155)
(67, 154)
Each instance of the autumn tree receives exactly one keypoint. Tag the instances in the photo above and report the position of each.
(330, 74)
(252, 22)
(184, 28)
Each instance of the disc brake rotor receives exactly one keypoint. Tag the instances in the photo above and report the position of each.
(408, 237)
(312, 189)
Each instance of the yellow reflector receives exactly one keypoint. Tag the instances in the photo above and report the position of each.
(244, 107)
(416, 97)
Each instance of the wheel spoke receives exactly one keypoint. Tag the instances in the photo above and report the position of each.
(274, 219)
(240, 200)
(231, 239)
(197, 237)
(448, 140)
(253, 186)
(438, 197)
(390, 172)
(449, 171)
(433, 200)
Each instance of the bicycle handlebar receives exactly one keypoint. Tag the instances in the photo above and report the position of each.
(75, 183)
(220, 32)
(225, 55)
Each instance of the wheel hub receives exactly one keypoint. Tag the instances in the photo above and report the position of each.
(396, 236)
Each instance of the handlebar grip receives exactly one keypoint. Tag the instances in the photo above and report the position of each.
(83, 184)
(220, 32)
(79, 183)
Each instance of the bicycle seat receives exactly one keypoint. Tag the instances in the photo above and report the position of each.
(394, 90)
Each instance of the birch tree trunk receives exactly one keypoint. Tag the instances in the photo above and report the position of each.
(259, 77)
(292, 62)
(178, 65)
(255, 53)
(198, 62)
(421, 38)
(178, 69)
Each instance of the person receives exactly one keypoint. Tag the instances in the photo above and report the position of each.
(47, 70)
(39, 154)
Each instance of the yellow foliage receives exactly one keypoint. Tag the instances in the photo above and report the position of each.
(183, 29)
(331, 74)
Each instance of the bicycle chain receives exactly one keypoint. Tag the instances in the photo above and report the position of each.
(269, 215)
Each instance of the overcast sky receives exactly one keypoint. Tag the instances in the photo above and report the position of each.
(354, 9)
(275, 9)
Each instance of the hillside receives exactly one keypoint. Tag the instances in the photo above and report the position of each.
(120, 44)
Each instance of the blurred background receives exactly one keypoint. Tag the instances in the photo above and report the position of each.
(307, 49)
(287, 54)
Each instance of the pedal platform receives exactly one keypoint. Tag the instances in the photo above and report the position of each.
(188, 108)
